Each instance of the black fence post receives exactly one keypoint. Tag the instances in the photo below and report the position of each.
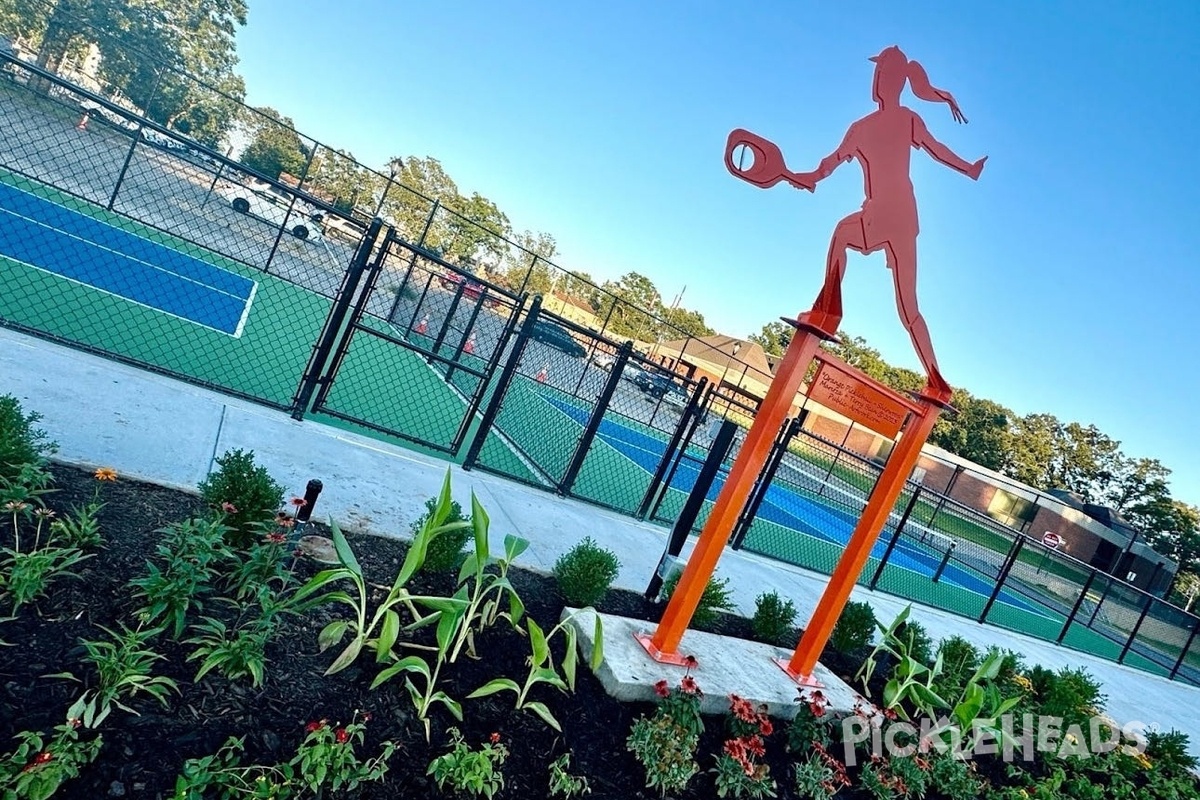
(333, 323)
(937, 576)
(721, 445)
(287, 218)
(779, 449)
(461, 347)
(656, 482)
(1133, 634)
(133, 143)
(481, 390)
(681, 454)
(593, 424)
(887, 553)
(1188, 646)
(1009, 562)
(502, 383)
(1087, 587)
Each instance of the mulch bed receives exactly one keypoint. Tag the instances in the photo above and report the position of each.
(142, 754)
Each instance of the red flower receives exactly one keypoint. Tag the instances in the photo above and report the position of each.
(228, 507)
(754, 745)
(689, 685)
(298, 502)
(314, 726)
(275, 538)
(38, 760)
(661, 689)
(741, 708)
(494, 738)
(690, 662)
(340, 736)
(765, 727)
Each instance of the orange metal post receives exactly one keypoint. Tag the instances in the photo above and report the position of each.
(811, 330)
(874, 516)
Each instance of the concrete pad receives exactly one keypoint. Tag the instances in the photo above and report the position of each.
(726, 666)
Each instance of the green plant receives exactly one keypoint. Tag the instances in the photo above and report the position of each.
(80, 527)
(444, 552)
(716, 597)
(260, 568)
(953, 778)
(475, 772)
(737, 772)
(960, 659)
(1072, 694)
(24, 577)
(774, 620)
(543, 670)
(854, 629)
(562, 782)
(123, 666)
(244, 494)
(327, 758)
(223, 774)
(1169, 752)
(37, 768)
(21, 442)
(820, 776)
(236, 654)
(919, 643)
(897, 778)
(191, 551)
(812, 725)
(665, 743)
(666, 751)
(585, 572)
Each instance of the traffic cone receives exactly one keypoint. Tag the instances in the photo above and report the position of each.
(423, 325)
(543, 373)
(469, 347)
(83, 121)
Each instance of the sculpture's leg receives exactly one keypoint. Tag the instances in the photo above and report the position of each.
(847, 235)
(902, 259)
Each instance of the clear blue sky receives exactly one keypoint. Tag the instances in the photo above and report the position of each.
(1064, 281)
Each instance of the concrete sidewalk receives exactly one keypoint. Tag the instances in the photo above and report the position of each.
(156, 429)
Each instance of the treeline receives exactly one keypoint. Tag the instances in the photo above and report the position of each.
(1042, 451)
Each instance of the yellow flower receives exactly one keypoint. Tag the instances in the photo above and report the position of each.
(1023, 683)
(1144, 760)
(106, 474)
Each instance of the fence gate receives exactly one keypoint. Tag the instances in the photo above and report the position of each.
(411, 353)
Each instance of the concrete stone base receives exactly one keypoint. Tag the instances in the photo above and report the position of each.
(726, 666)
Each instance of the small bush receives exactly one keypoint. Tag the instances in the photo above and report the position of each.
(445, 549)
(585, 572)
(716, 597)
(854, 630)
(20, 442)
(960, 659)
(245, 493)
(1072, 694)
(774, 620)
(920, 645)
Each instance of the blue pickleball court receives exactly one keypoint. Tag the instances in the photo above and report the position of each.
(50, 237)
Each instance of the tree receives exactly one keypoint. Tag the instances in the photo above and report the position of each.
(344, 182)
(529, 265)
(275, 147)
(1034, 440)
(979, 431)
(630, 304)
(1135, 481)
(1172, 528)
(421, 182)
(1187, 586)
(686, 322)
(773, 338)
(478, 229)
(156, 54)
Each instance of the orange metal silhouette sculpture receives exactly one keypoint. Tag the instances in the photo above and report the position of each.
(888, 222)
(880, 142)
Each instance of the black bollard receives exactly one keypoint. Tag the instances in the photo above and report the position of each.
(311, 492)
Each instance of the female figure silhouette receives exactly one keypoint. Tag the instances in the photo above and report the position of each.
(880, 142)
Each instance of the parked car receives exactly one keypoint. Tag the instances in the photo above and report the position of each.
(603, 360)
(264, 201)
(557, 337)
(656, 385)
(472, 289)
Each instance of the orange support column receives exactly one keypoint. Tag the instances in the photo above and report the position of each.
(874, 517)
(812, 328)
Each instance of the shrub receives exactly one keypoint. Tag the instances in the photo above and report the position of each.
(445, 549)
(920, 645)
(585, 572)
(245, 493)
(960, 659)
(716, 597)
(854, 629)
(774, 619)
(1072, 694)
(20, 442)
